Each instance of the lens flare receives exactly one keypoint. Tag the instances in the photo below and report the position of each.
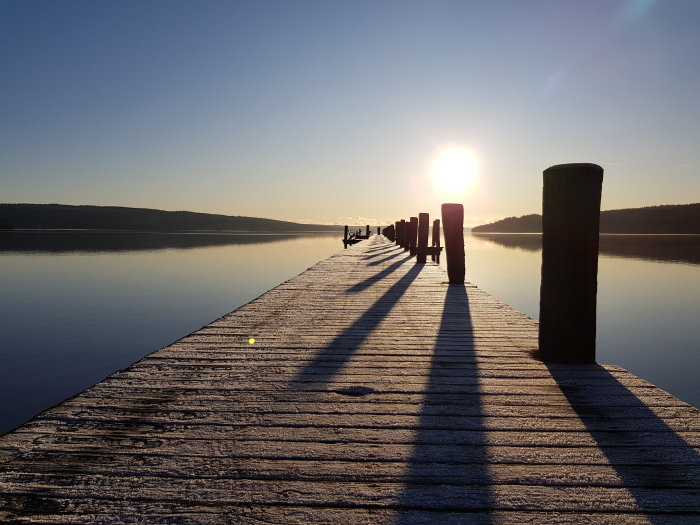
(454, 170)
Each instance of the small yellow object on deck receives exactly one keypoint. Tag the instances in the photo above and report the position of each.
(251, 340)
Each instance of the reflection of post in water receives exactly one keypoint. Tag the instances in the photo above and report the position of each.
(653, 247)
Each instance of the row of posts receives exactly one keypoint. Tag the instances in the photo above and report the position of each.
(570, 231)
(357, 234)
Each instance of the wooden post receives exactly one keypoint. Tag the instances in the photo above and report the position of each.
(412, 235)
(423, 219)
(397, 238)
(453, 228)
(404, 234)
(367, 230)
(378, 229)
(435, 240)
(570, 229)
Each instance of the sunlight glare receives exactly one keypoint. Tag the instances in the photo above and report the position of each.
(454, 170)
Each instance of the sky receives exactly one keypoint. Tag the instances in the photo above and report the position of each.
(335, 111)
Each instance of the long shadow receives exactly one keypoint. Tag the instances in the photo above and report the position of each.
(629, 434)
(362, 285)
(385, 259)
(379, 253)
(329, 361)
(448, 469)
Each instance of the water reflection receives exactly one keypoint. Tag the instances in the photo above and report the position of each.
(76, 306)
(660, 248)
(122, 241)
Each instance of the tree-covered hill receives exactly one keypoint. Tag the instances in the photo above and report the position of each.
(674, 218)
(62, 216)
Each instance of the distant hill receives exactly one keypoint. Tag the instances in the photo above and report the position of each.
(62, 216)
(674, 218)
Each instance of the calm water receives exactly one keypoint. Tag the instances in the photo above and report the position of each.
(76, 306)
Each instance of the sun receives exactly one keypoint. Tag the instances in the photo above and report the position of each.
(454, 170)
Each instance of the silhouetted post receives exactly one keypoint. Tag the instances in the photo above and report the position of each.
(435, 240)
(570, 228)
(453, 228)
(412, 235)
(421, 256)
(378, 229)
(397, 238)
(367, 230)
(404, 238)
(389, 232)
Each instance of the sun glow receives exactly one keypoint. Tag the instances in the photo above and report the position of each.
(454, 170)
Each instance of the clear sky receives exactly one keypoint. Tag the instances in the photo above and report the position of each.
(317, 111)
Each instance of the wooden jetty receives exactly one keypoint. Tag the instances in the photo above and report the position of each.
(374, 392)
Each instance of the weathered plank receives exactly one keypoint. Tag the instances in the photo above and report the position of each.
(374, 393)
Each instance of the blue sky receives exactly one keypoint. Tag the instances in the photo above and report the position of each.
(322, 110)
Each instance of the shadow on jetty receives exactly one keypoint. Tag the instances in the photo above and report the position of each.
(628, 441)
(379, 253)
(657, 248)
(96, 241)
(329, 361)
(448, 468)
(385, 259)
(362, 285)
(378, 249)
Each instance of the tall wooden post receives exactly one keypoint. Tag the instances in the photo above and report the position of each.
(367, 232)
(404, 228)
(421, 249)
(570, 230)
(397, 237)
(453, 228)
(435, 240)
(412, 235)
(378, 230)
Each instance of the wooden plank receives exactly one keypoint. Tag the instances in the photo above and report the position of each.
(358, 494)
(179, 466)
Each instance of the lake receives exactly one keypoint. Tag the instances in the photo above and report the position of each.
(76, 306)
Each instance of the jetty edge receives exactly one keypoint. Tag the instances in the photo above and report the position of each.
(375, 392)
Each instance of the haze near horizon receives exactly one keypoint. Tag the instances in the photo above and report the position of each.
(329, 112)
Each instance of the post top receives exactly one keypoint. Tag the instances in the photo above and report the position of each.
(575, 167)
